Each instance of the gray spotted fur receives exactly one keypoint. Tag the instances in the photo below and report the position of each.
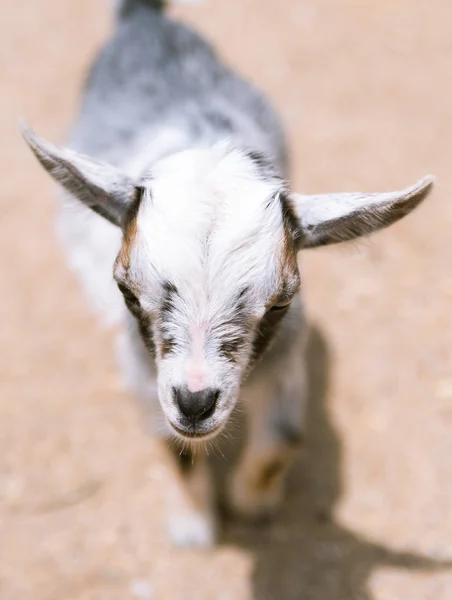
(156, 74)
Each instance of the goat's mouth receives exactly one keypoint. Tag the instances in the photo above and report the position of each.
(195, 432)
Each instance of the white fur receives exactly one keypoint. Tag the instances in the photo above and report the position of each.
(216, 199)
(192, 530)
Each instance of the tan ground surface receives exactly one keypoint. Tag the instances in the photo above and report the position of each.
(364, 88)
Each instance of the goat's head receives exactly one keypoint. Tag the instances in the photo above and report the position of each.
(208, 263)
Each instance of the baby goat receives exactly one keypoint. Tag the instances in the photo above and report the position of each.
(178, 169)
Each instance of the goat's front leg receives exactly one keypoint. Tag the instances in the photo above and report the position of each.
(274, 403)
(192, 520)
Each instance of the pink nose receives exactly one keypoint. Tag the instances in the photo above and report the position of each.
(196, 379)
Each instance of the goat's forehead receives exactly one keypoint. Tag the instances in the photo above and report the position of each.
(210, 190)
(217, 222)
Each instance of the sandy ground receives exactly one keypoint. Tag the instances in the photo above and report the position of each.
(364, 90)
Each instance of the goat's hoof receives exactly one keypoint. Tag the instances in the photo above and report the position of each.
(192, 530)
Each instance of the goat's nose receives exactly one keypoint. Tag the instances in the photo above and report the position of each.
(197, 406)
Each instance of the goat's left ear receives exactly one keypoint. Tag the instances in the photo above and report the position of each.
(98, 185)
(331, 218)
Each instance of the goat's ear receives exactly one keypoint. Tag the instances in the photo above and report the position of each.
(331, 218)
(99, 186)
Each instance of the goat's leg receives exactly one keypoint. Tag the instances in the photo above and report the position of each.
(275, 405)
(192, 518)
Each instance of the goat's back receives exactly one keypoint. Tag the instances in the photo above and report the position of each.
(157, 81)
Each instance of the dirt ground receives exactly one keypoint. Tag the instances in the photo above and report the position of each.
(364, 89)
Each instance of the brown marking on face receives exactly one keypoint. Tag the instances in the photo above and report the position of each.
(265, 332)
(143, 319)
(237, 328)
(128, 239)
(231, 347)
(167, 346)
(121, 270)
(290, 220)
(290, 276)
(167, 342)
(129, 229)
(290, 283)
(145, 328)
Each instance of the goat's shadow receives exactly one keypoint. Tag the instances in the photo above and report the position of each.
(305, 554)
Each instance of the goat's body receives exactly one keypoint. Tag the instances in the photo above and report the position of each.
(157, 83)
(172, 192)
(157, 88)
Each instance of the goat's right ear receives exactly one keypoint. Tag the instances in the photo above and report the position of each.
(99, 186)
(330, 218)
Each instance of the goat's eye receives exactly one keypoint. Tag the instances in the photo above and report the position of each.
(129, 297)
(279, 307)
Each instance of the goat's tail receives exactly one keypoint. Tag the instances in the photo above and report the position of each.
(125, 6)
